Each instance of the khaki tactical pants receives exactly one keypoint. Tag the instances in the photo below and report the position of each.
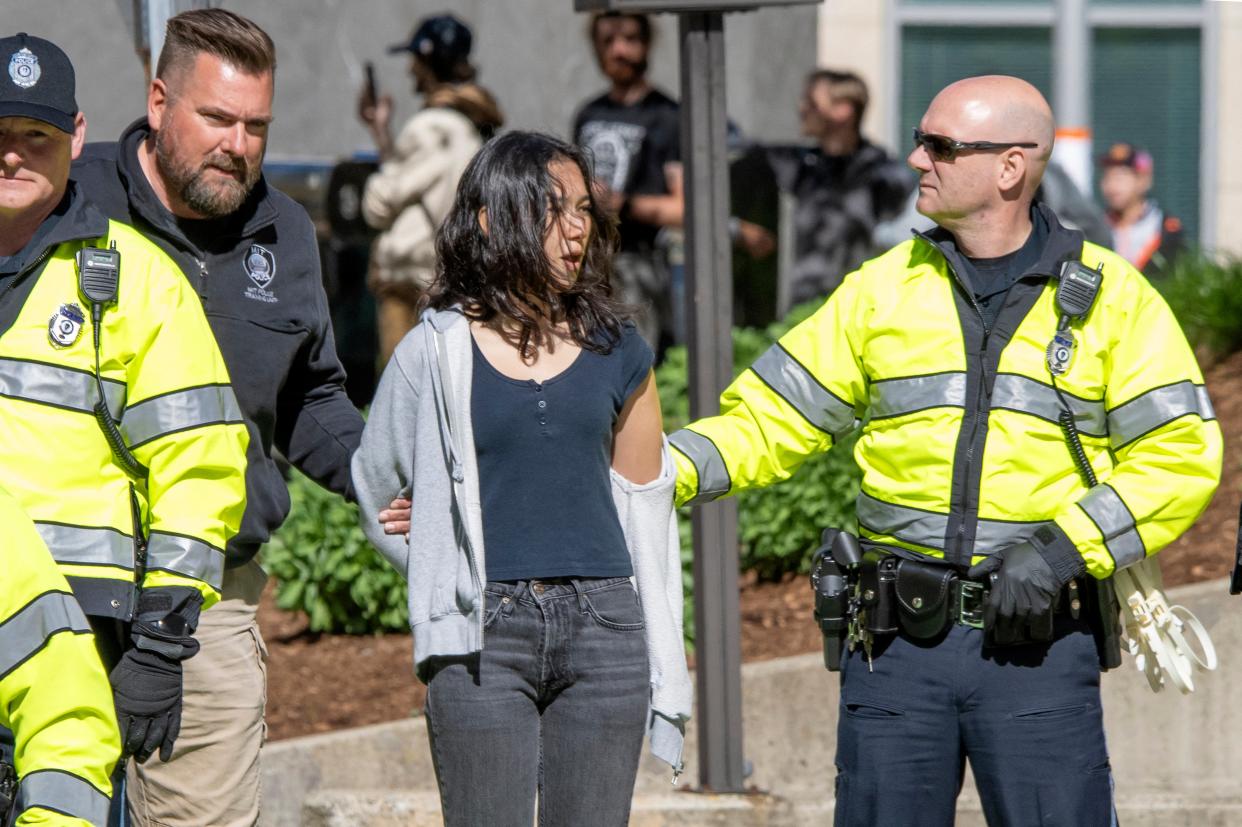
(213, 777)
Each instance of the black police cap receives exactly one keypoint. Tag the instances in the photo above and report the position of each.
(38, 82)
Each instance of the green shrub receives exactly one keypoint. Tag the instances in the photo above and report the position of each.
(1206, 297)
(325, 567)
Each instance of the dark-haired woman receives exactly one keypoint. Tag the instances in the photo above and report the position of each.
(544, 581)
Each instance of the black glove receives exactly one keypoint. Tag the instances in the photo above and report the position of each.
(146, 687)
(1024, 585)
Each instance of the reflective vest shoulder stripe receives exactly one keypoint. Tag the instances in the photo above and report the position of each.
(1113, 518)
(1156, 407)
(65, 793)
(27, 630)
(179, 411)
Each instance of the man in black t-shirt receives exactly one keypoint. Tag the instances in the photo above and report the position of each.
(633, 134)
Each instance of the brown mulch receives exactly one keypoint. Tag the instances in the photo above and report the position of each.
(318, 683)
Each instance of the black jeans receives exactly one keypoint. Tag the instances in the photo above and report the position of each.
(555, 703)
(1028, 717)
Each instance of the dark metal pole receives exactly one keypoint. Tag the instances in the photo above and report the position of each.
(709, 286)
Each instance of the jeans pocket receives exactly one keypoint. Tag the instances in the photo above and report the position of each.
(616, 608)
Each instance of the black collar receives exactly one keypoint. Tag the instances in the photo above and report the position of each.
(1063, 245)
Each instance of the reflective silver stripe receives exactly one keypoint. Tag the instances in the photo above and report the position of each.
(152, 418)
(1110, 514)
(909, 524)
(92, 546)
(713, 475)
(53, 385)
(63, 792)
(1145, 413)
(1021, 393)
(185, 556)
(800, 389)
(927, 529)
(994, 535)
(894, 397)
(26, 632)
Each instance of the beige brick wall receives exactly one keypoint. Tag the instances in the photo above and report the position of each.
(1229, 122)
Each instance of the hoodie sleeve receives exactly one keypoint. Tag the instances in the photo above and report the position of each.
(317, 426)
(383, 467)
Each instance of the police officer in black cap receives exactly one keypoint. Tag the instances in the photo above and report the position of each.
(135, 518)
(410, 195)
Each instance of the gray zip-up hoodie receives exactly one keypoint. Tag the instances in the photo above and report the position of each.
(419, 439)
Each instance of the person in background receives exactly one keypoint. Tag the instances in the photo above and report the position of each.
(1147, 237)
(844, 185)
(523, 415)
(189, 176)
(408, 198)
(632, 132)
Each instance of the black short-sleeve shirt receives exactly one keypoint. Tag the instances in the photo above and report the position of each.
(544, 453)
(629, 146)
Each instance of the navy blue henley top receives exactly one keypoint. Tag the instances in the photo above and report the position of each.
(544, 452)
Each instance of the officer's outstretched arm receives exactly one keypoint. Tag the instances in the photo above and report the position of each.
(798, 398)
(54, 693)
(1164, 437)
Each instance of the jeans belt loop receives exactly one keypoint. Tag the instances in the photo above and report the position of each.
(582, 601)
(519, 592)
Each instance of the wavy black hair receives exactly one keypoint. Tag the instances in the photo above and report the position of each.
(503, 278)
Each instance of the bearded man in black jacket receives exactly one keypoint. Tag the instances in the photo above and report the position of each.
(189, 177)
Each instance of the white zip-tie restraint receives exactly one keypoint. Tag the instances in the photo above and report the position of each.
(1159, 635)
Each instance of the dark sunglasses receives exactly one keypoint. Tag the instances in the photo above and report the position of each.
(943, 148)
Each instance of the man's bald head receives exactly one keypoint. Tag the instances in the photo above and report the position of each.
(970, 187)
(1001, 109)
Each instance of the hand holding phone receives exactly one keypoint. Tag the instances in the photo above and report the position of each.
(369, 91)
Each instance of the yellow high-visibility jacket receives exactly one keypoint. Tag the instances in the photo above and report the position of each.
(54, 693)
(961, 451)
(165, 382)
